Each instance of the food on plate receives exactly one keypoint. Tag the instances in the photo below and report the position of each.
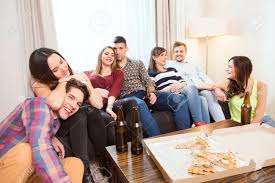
(206, 162)
(201, 166)
(198, 143)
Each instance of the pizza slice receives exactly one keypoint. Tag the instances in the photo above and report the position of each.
(201, 166)
(198, 143)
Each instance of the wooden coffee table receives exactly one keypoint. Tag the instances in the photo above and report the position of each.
(126, 167)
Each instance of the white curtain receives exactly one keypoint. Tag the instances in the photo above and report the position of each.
(25, 26)
(170, 23)
(96, 23)
(37, 30)
(141, 29)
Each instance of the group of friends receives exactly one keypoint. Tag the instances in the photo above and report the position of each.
(54, 136)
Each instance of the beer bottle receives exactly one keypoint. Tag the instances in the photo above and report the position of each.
(121, 131)
(136, 140)
(246, 110)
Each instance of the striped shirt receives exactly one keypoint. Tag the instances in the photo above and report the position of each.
(135, 77)
(189, 72)
(33, 122)
(164, 79)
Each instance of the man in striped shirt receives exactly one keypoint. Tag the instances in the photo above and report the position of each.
(28, 144)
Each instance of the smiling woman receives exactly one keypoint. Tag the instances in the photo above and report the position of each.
(51, 72)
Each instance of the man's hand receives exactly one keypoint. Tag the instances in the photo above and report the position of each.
(153, 98)
(220, 94)
(58, 147)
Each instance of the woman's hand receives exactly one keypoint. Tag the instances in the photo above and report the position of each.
(111, 112)
(103, 92)
(80, 77)
(176, 87)
(58, 147)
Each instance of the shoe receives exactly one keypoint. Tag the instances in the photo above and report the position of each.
(87, 177)
(199, 123)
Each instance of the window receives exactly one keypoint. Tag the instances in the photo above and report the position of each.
(85, 27)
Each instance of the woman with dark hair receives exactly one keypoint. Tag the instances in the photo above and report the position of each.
(239, 81)
(168, 80)
(107, 80)
(86, 128)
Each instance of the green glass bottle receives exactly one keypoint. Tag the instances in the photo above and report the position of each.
(121, 131)
(136, 135)
(246, 110)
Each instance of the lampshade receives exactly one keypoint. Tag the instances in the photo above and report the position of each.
(206, 27)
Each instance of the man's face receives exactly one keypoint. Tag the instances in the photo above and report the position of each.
(72, 101)
(179, 53)
(121, 50)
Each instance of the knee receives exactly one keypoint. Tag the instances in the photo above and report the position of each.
(24, 155)
(140, 103)
(206, 93)
(79, 118)
(73, 167)
(130, 102)
(203, 100)
(190, 89)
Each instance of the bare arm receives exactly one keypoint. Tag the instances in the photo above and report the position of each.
(222, 85)
(109, 108)
(95, 98)
(261, 102)
(54, 97)
(206, 86)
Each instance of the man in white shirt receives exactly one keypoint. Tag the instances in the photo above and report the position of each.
(192, 75)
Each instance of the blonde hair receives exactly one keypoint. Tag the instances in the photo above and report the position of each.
(99, 61)
(178, 43)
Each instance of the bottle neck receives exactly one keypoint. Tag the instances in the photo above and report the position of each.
(247, 99)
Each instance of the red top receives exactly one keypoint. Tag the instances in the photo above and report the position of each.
(112, 82)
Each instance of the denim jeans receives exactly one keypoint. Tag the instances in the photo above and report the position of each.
(166, 101)
(267, 119)
(198, 111)
(214, 107)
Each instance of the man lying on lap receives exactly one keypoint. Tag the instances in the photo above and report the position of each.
(28, 144)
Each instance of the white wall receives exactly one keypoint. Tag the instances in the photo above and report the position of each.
(252, 34)
(12, 51)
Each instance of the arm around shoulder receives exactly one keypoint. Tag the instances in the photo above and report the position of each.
(54, 97)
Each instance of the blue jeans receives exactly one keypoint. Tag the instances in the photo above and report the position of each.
(214, 107)
(267, 119)
(166, 101)
(198, 111)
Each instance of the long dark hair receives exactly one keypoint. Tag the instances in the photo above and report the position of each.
(39, 68)
(156, 51)
(243, 69)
